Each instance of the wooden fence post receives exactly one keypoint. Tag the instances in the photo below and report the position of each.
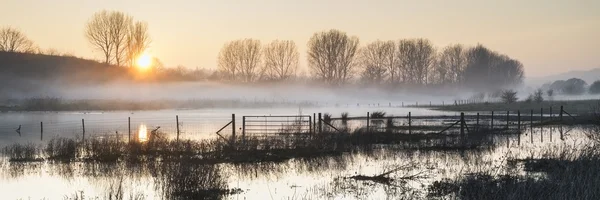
(310, 128)
(129, 127)
(492, 123)
(233, 127)
(314, 122)
(320, 124)
(531, 125)
(561, 114)
(244, 127)
(561, 122)
(368, 122)
(541, 125)
(41, 131)
(177, 123)
(409, 123)
(462, 125)
(519, 125)
(83, 128)
(477, 122)
(507, 119)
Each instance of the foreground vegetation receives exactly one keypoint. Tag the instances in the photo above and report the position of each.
(193, 169)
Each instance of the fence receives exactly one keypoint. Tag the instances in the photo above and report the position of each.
(201, 127)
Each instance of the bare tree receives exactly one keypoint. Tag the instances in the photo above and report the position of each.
(13, 40)
(119, 31)
(375, 61)
(415, 57)
(281, 60)
(450, 65)
(486, 69)
(250, 60)
(228, 60)
(331, 55)
(98, 34)
(107, 31)
(138, 41)
(240, 59)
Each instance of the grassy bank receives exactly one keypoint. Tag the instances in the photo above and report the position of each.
(575, 107)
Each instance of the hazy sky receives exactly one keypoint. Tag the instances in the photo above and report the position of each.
(548, 36)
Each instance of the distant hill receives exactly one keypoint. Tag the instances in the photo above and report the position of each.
(588, 76)
(24, 73)
(65, 69)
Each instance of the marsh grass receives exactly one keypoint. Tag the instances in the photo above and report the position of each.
(22, 152)
(275, 148)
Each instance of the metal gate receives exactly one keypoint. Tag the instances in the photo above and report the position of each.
(269, 125)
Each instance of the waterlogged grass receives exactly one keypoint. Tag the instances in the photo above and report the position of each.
(275, 148)
(562, 174)
(415, 166)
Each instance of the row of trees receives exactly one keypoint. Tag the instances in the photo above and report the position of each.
(247, 60)
(572, 86)
(118, 36)
(334, 58)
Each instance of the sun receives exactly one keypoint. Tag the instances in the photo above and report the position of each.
(144, 61)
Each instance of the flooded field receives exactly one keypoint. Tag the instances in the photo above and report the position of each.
(371, 168)
(194, 124)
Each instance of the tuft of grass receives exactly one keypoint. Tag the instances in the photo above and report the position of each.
(62, 149)
(377, 115)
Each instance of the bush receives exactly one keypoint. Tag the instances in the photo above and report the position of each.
(550, 94)
(538, 96)
(509, 96)
(595, 87)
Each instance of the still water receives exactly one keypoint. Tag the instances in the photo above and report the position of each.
(319, 178)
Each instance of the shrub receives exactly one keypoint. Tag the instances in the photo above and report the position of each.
(538, 96)
(595, 87)
(509, 96)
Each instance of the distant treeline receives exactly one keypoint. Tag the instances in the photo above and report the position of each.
(337, 59)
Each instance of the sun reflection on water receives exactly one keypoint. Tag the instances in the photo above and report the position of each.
(143, 133)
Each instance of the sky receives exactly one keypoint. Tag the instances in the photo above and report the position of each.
(547, 36)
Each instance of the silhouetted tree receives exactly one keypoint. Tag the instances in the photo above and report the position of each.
(107, 31)
(240, 60)
(595, 88)
(509, 96)
(538, 96)
(281, 60)
(486, 69)
(415, 57)
(574, 86)
(375, 59)
(13, 40)
(450, 65)
(138, 41)
(331, 55)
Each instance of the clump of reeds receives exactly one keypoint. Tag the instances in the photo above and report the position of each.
(21, 152)
(62, 149)
(377, 115)
(105, 150)
(181, 180)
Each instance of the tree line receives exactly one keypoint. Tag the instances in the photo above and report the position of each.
(335, 58)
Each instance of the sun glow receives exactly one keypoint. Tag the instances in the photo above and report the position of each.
(144, 61)
(143, 133)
